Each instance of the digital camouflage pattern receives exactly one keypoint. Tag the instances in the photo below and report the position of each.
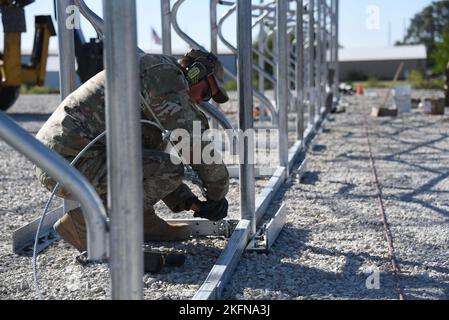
(81, 118)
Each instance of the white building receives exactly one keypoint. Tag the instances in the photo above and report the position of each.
(360, 63)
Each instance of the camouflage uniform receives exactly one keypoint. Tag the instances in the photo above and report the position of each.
(81, 118)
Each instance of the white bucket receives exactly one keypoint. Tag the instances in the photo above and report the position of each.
(403, 98)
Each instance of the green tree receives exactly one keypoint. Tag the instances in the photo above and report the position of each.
(428, 26)
(440, 55)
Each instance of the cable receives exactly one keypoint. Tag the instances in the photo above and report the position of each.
(47, 206)
(189, 174)
(387, 230)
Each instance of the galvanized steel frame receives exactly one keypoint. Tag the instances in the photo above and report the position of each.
(315, 26)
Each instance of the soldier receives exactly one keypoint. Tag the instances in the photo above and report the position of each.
(172, 90)
(446, 86)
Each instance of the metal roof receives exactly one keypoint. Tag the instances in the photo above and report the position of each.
(414, 52)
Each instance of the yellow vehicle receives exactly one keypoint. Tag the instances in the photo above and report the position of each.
(13, 72)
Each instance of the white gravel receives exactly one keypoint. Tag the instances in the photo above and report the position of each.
(334, 236)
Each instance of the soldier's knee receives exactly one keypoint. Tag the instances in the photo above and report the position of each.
(49, 183)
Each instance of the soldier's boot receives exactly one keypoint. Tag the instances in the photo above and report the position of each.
(157, 229)
(72, 229)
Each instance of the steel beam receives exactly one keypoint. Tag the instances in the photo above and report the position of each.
(124, 148)
(312, 57)
(336, 50)
(67, 72)
(166, 27)
(299, 80)
(246, 121)
(282, 92)
(318, 60)
(221, 272)
(66, 39)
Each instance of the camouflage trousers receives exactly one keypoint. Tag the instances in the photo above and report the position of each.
(160, 178)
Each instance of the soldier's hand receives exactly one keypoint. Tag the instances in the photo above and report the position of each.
(212, 210)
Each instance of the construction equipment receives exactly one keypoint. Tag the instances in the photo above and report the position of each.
(14, 73)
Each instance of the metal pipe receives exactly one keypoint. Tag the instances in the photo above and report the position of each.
(96, 22)
(246, 121)
(166, 27)
(318, 61)
(257, 94)
(326, 48)
(299, 71)
(68, 177)
(92, 17)
(234, 49)
(260, 54)
(336, 51)
(282, 91)
(214, 43)
(220, 29)
(312, 57)
(67, 72)
(195, 45)
(66, 39)
(124, 150)
(215, 113)
(178, 30)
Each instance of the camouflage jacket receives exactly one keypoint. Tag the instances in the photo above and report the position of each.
(80, 118)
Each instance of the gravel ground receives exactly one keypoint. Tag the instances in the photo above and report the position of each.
(334, 241)
(334, 236)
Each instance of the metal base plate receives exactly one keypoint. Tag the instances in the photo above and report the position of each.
(268, 234)
(23, 238)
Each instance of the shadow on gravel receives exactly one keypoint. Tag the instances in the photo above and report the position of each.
(311, 177)
(319, 148)
(301, 280)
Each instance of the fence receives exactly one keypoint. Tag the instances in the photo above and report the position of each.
(297, 52)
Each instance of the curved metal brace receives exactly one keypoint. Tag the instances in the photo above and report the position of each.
(234, 49)
(184, 36)
(269, 51)
(96, 22)
(261, 97)
(215, 113)
(98, 25)
(92, 17)
(220, 29)
(68, 177)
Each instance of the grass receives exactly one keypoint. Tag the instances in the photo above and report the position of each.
(36, 90)
(425, 84)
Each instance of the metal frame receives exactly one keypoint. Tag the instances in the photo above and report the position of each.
(301, 69)
(124, 150)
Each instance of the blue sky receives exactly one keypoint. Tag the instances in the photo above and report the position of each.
(353, 17)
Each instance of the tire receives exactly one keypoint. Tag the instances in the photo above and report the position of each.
(8, 96)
